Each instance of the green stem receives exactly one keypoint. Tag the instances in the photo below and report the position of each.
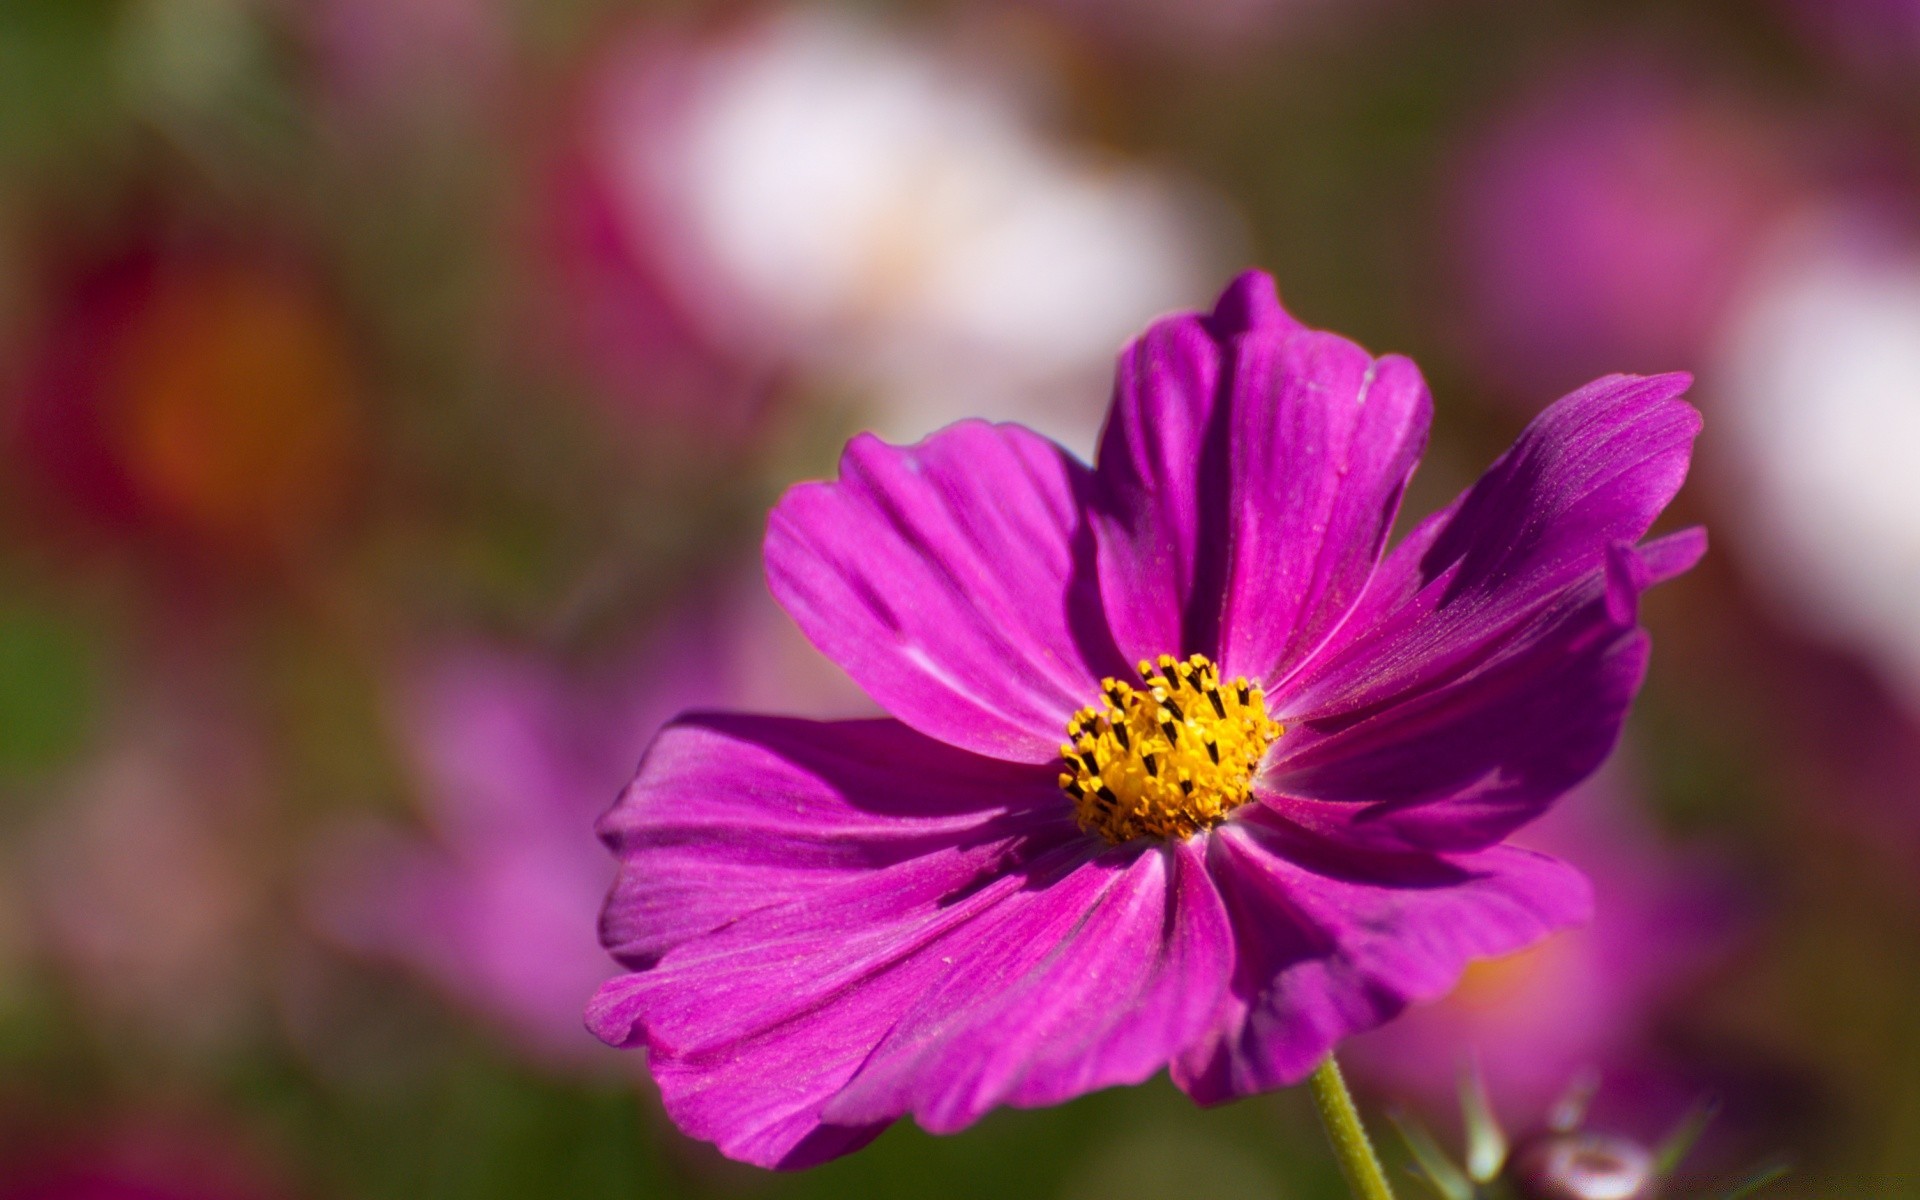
(1358, 1162)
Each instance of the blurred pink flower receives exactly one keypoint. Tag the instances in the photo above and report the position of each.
(1585, 998)
(1607, 218)
(808, 193)
(495, 906)
(516, 757)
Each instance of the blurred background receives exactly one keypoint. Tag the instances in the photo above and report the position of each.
(391, 394)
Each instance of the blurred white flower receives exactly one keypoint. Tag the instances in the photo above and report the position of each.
(1818, 390)
(830, 196)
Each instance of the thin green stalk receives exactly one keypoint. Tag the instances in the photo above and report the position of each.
(1358, 1162)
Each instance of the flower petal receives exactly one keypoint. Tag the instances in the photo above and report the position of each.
(730, 814)
(770, 1119)
(954, 581)
(1248, 475)
(1101, 985)
(792, 890)
(1491, 661)
(1163, 471)
(1325, 439)
(754, 1029)
(894, 926)
(1332, 941)
(1463, 764)
(1593, 470)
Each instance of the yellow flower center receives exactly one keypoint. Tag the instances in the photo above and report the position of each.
(1167, 757)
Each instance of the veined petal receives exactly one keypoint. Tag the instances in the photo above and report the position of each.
(1490, 663)
(1163, 475)
(1331, 941)
(955, 581)
(831, 926)
(1463, 764)
(1325, 439)
(871, 886)
(1101, 985)
(1248, 475)
(1593, 470)
(730, 814)
(755, 1030)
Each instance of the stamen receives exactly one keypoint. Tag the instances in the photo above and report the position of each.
(1149, 763)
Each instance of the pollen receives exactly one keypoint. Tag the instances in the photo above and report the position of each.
(1168, 756)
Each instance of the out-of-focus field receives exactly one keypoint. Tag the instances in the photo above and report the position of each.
(391, 395)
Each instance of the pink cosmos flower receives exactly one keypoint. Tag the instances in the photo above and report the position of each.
(1608, 219)
(515, 758)
(1280, 828)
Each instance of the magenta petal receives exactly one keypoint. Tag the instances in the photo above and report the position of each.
(1248, 303)
(1593, 470)
(1631, 570)
(954, 581)
(1491, 662)
(812, 1025)
(1100, 985)
(791, 890)
(755, 1029)
(1461, 765)
(1163, 469)
(1248, 474)
(730, 814)
(1164, 472)
(1332, 942)
(1325, 439)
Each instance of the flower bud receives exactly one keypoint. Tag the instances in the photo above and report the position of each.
(1582, 1166)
